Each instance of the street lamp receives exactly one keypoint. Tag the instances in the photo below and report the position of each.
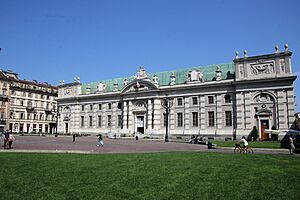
(57, 116)
(167, 103)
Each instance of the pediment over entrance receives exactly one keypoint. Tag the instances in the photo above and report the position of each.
(139, 85)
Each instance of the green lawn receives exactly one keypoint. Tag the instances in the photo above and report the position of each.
(268, 144)
(149, 176)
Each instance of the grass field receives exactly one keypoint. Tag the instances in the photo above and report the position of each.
(149, 176)
(268, 144)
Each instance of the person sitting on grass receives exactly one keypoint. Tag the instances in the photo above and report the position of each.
(244, 143)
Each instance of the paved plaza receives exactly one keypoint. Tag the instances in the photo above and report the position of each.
(64, 144)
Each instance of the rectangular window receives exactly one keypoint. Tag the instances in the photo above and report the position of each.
(82, 108)
(91, 121)
(109, 106)
(109, 120)
(227, 98)
(119, 120)
(195, 100)
(100, 106)
(210, 99)
(82, 121)
(211, 118)
(179, 119)
(195, 119)
(99, 120)
(91, 107)
(21, 115)
(228, 118)
(179, 102)
(2, 116)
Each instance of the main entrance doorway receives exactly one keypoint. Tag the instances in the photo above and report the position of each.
(66, 128)
(140, 125)
(264, 124)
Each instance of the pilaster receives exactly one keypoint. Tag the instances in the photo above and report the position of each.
(157, 110)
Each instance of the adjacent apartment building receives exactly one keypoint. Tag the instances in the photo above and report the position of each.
(224, 100)
(26, 106)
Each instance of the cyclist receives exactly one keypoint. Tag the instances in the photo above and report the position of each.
(244, 143)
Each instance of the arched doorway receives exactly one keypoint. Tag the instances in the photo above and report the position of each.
(265, 113)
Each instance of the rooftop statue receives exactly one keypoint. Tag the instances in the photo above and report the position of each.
(155, 79)
(116, 86)
(173, 79)
(141, 73)
(101, 87)
(195, 75)
(218, 74)
(125, 82)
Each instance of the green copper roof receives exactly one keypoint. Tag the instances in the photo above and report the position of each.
(209, 73)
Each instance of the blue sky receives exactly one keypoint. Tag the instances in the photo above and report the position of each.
(51, 40)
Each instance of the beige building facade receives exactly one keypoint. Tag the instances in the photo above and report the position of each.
(225, 100)
(30, 106)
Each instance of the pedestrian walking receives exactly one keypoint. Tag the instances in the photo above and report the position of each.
(292, 146)
(11, 139)
(5, 138)
(74, 137)
(100, 140)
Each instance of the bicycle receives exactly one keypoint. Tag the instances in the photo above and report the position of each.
(239, 149)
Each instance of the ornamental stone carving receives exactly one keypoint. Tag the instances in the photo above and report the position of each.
(264, 68)
(139, 106)
(263, 98)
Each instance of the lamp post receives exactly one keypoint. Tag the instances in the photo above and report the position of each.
(57, 115)
(167, 103)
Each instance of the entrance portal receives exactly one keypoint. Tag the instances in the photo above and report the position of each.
(140, 128)
(264, 124)
(67, 128)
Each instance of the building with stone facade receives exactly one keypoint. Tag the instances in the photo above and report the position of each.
(225, 100)
(27, 106)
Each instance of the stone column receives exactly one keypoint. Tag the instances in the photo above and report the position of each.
(125, 111)
(157, 118)
(247, 107)
(219, 114)
(202, 113)
(281, 96)
(186, 115)
(130, 118)
(149, 124)
(290, 107)
(113, 115)
(240, 110)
